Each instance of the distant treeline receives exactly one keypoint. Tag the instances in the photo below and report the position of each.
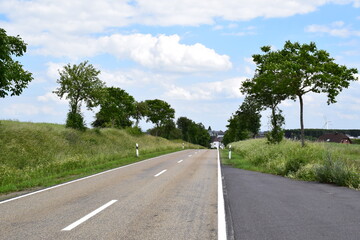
(313, 134)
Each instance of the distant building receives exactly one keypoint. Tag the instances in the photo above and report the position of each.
(335, 137)
(216, 138)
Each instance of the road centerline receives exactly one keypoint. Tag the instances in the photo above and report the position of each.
(160, 173)
(87, 217)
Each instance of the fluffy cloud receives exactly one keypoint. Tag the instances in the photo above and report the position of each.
(80, 16)
(336, 29)
(228, 88)
(155, 52)
(20, 109)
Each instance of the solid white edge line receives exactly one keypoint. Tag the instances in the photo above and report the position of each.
(180, 161)
(221, 205)
(160, 173)
(87, 217)
(80, 179)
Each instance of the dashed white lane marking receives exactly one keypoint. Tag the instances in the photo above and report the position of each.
(190, 155)
(180, 161)
(160, 173)
(93, 213)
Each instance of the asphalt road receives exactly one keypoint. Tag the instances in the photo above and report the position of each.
(169, 197)
(262, 206)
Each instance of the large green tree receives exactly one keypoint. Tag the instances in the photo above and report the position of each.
(13, 78)
(116, 108)
(79, 83)
(307, 69)
(159, 112)
(267, 88)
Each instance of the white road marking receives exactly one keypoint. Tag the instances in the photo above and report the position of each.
(80, 179)
(221, 205)
(179, 161)
(93, 213)
(160, 173)
(190, 155)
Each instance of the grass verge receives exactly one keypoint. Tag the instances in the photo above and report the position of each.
(323, 162)
(37, 155)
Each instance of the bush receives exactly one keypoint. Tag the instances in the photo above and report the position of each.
(76, 121)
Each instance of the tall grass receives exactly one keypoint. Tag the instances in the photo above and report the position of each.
(42, 154)
(323, 162)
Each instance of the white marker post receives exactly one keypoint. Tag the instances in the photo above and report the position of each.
(183, 146)
(229, 151)
(137, 150)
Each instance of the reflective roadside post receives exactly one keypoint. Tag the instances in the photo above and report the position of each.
(183, 146)
(137, 150)
(229, 151)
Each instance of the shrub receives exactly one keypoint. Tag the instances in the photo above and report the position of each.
(76, 121)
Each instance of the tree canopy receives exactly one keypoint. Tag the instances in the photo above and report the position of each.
(116, 108)
(294, 71)
(79, 83)
(159, 112)
(13, 78)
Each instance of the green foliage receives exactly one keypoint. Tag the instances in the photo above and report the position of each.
(294, 71)
(79, 83)
(116, 108)
(245, 123)
(34, 154)
(276, 134)
(140, 111)
(76, 121)
(323, 162)
(192, 132)
(159, 112)
(13, 78)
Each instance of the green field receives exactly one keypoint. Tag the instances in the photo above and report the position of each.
(42, 154)
(323, 162)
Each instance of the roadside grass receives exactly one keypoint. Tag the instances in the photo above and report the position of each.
(323, 162)
(42, 154)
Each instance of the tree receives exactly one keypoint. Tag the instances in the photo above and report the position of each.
(13, 78)
(140, 111)
(79, 83)
(308, 69)
(266, 87)
(192, 132)
(116, 108)
(159, 112)
(304, 69)
(245, 123)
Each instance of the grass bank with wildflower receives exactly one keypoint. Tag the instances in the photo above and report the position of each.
(42, 154)
(323, 162)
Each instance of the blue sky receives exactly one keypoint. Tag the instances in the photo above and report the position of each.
(194, 55)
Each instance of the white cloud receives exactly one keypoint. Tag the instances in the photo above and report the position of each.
(155, 52)
(336, 29)
(20, 109)
(51, 97)
(229, 88)
(80, 16)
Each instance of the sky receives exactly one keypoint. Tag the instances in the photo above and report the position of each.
(192, 54)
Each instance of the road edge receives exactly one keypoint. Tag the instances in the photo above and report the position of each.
(221, 205)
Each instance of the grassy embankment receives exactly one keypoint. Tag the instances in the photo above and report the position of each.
(323, 162)
(41, 154)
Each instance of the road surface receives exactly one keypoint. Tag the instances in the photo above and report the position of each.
(168, 197)
(263, 206)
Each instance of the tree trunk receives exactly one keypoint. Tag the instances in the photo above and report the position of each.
(302, 121)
